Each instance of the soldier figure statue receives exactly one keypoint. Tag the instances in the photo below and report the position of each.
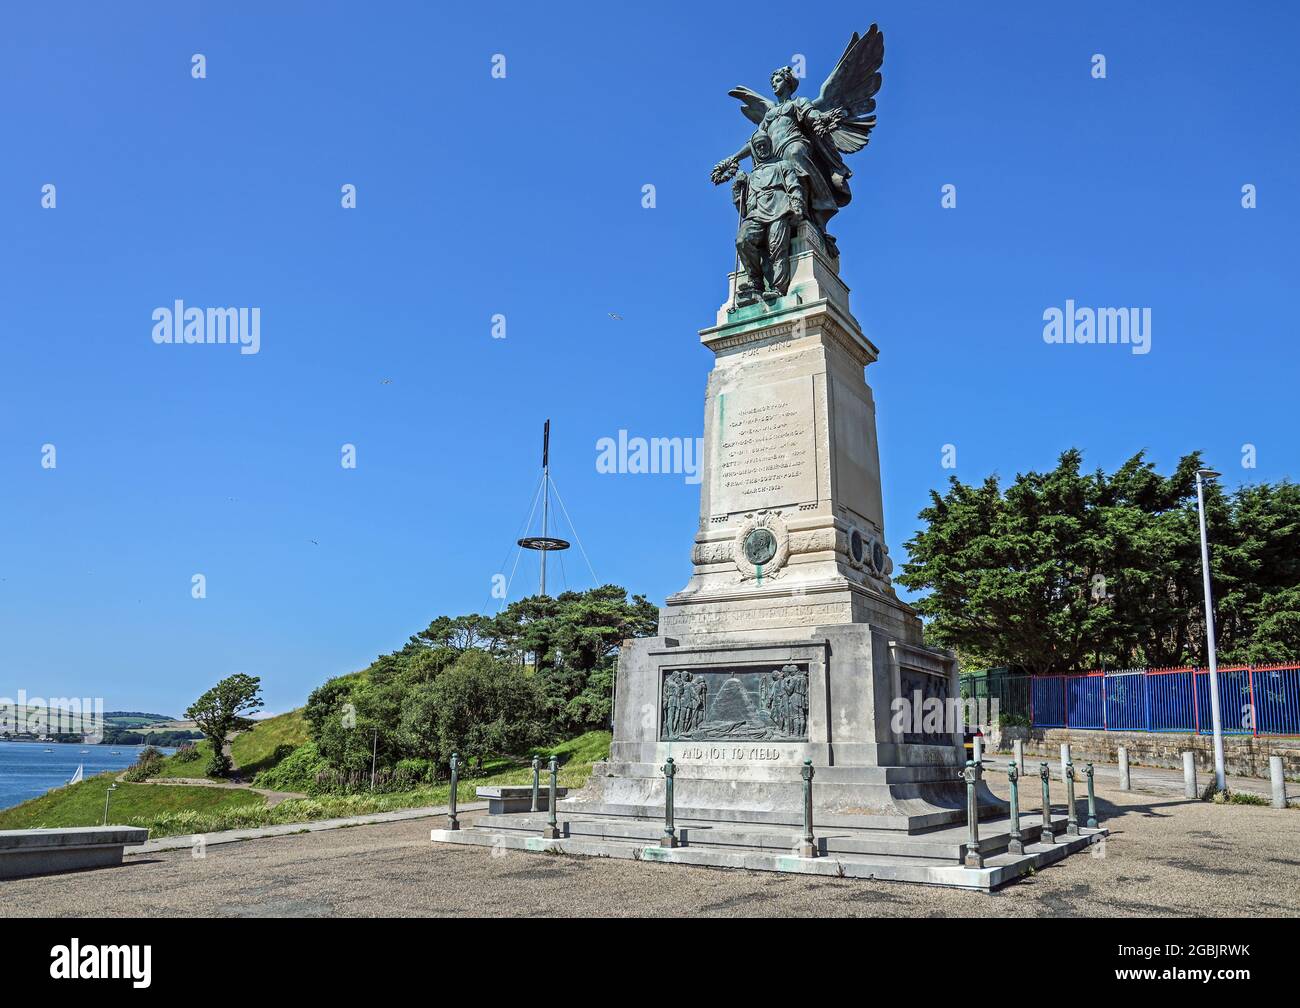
(771, 201)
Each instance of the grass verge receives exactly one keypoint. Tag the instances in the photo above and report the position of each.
(176, 809)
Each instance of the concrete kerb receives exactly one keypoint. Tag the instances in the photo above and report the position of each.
(289, 829)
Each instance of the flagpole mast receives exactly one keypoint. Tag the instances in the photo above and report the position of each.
(544, 542)
(546, 491)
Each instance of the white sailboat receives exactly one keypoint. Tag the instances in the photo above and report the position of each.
(76, 777)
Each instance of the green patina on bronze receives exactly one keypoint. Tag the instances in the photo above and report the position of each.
(798, 170)
(971, 775)
(452, 822)
(742, 703)
(1047, 835)
(670, 836)
(1071, 811)
(1016, 844)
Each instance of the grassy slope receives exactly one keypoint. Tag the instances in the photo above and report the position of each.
(251, 751)
(83, 804)
(254, 750)
(169, 810)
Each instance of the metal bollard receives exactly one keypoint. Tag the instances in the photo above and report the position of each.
(670, 835)
(1092, 799)
(1019, 748)
(1278, 781)
(552, 827)
(971, 775)
(977, 747)
(452, 822)
(537, 775)
(1071, 813)
(1016, 844)
(1125, 784)
(1065, 758)
(808, 845)
(1047, 836)
(1189, 775)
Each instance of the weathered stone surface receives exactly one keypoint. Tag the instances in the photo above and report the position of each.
(46, 851)
(906, 859)
(503, 799)
(791, 532)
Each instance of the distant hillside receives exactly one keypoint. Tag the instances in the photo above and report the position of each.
(134, 719)
(25, 719)
(46, 720)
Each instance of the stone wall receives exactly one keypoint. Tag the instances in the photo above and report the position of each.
(1243, 756)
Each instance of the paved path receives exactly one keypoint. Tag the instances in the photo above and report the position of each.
(186, 841)
(1157, 780)
(273, 798)
(1166, 856)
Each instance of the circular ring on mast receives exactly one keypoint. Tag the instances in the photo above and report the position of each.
(545, 543)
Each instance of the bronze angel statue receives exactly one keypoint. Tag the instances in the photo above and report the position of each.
(813, 134)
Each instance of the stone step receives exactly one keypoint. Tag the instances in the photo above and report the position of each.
(926, 816)
(947, 845)
(998, 869)
(792, 773)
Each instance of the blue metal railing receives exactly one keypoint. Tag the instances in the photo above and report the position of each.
(1126, 701)
(1253, 700)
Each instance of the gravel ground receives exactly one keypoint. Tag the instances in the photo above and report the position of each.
(1166, 856)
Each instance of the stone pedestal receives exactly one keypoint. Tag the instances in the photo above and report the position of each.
(788, 642)
(791, 532)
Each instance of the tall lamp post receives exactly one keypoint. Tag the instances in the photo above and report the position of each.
(1220, 782)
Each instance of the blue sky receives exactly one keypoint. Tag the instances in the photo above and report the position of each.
(522, 196)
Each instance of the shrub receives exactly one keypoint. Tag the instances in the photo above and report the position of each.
(296, 770)
(219, 765)
(187, 753)
(411, 773)
(145, 766)
(1229, 797)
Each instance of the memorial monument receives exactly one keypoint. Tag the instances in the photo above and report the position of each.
(788, 643)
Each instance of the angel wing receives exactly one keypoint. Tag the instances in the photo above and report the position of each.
(851, 87)
(753, 105)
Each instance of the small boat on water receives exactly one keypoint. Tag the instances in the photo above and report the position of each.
(84, 751)
(49, 750)
(116, 753)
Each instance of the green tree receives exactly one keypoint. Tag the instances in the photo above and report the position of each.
(479, 706)
(1012, 574)
(574, 640)
(1256, 567)
(1065, 570)
(221, 711)
(562, 649)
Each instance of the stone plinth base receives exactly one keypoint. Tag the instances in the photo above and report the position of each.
(935, 858)
(739, 758)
